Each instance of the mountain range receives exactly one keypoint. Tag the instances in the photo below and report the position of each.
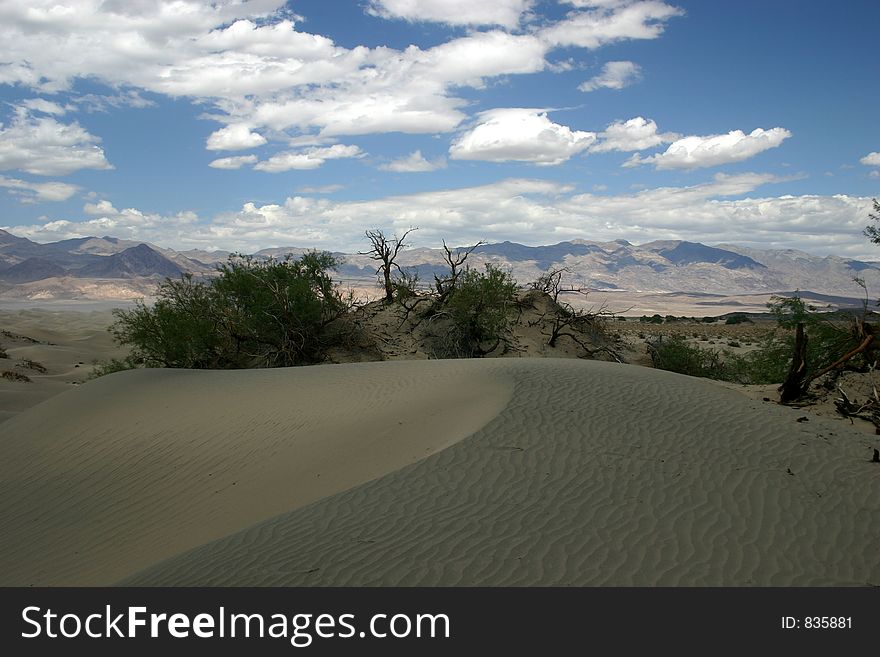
(108, 267)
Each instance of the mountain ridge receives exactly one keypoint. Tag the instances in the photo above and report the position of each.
(655, 267)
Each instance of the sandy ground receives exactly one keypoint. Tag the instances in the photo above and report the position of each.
(467, 472)
(65, 342)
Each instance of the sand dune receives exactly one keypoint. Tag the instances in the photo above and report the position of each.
(471, 472)
(65, 342)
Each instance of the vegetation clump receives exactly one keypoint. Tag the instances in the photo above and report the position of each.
(28, 364)
(253, 314)
(11, 375)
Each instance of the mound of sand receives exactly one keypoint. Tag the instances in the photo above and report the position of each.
(470, 472)
(63, 342)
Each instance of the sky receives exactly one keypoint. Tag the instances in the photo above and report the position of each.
(242, 125)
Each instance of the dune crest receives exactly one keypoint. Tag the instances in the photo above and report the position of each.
(135, 467)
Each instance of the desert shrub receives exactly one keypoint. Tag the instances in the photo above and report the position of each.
(253, 314)
(3, 353)
(829, 335)
(733, 343)
(738, 319)
(28, 364)
(653, 319)
(708, 320)
(405, 285)
(767, 364)
(673, 353)
(11, 375)
(480, 306)
(104, 367)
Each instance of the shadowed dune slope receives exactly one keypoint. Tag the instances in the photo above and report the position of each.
(554, 472)
(135, 467)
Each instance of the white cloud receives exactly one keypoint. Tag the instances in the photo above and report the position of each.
(234, 137)
(614, 75)
(233, 162)
(44, 106)
(104, 103)
(594, 4)
(415, 162)
(609, 22)
(253, 67)
(871, 159)
(101, 209)
(726, 209)
(636, 134)
(311, 158)
(520, 134)
(30, 192)
(44, 147)
(506, 13)
(695, 152)
(319, 189)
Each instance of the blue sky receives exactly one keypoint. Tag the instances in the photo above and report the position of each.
(245, 125)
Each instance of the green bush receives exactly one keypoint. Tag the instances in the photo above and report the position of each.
(104, 367)
(405, 285)
(829, 335)
(767, 364)
(673, 353)
(480, 306)
(738, 319)
(253, 314)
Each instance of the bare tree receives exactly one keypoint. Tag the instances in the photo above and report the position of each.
(566, 320)
(455, 259)
(385, 249)
(551, 283)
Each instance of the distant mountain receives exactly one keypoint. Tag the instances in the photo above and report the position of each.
(135, 261)
(656, 267)
(543, 256)
(32, 269)
(688, 253)
(15, 249)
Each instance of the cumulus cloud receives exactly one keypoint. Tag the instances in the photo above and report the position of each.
(871, 159)
(608, 22)
(101, 208)
(30, 192)
(44, 147)
(253, 66)
(614, 75)
(233, 162)
(311, 158)
(234, 137)
(725, 209)
(636, 134)
(696, 152)
(415, 162)
(506, 13)
(520, 134)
